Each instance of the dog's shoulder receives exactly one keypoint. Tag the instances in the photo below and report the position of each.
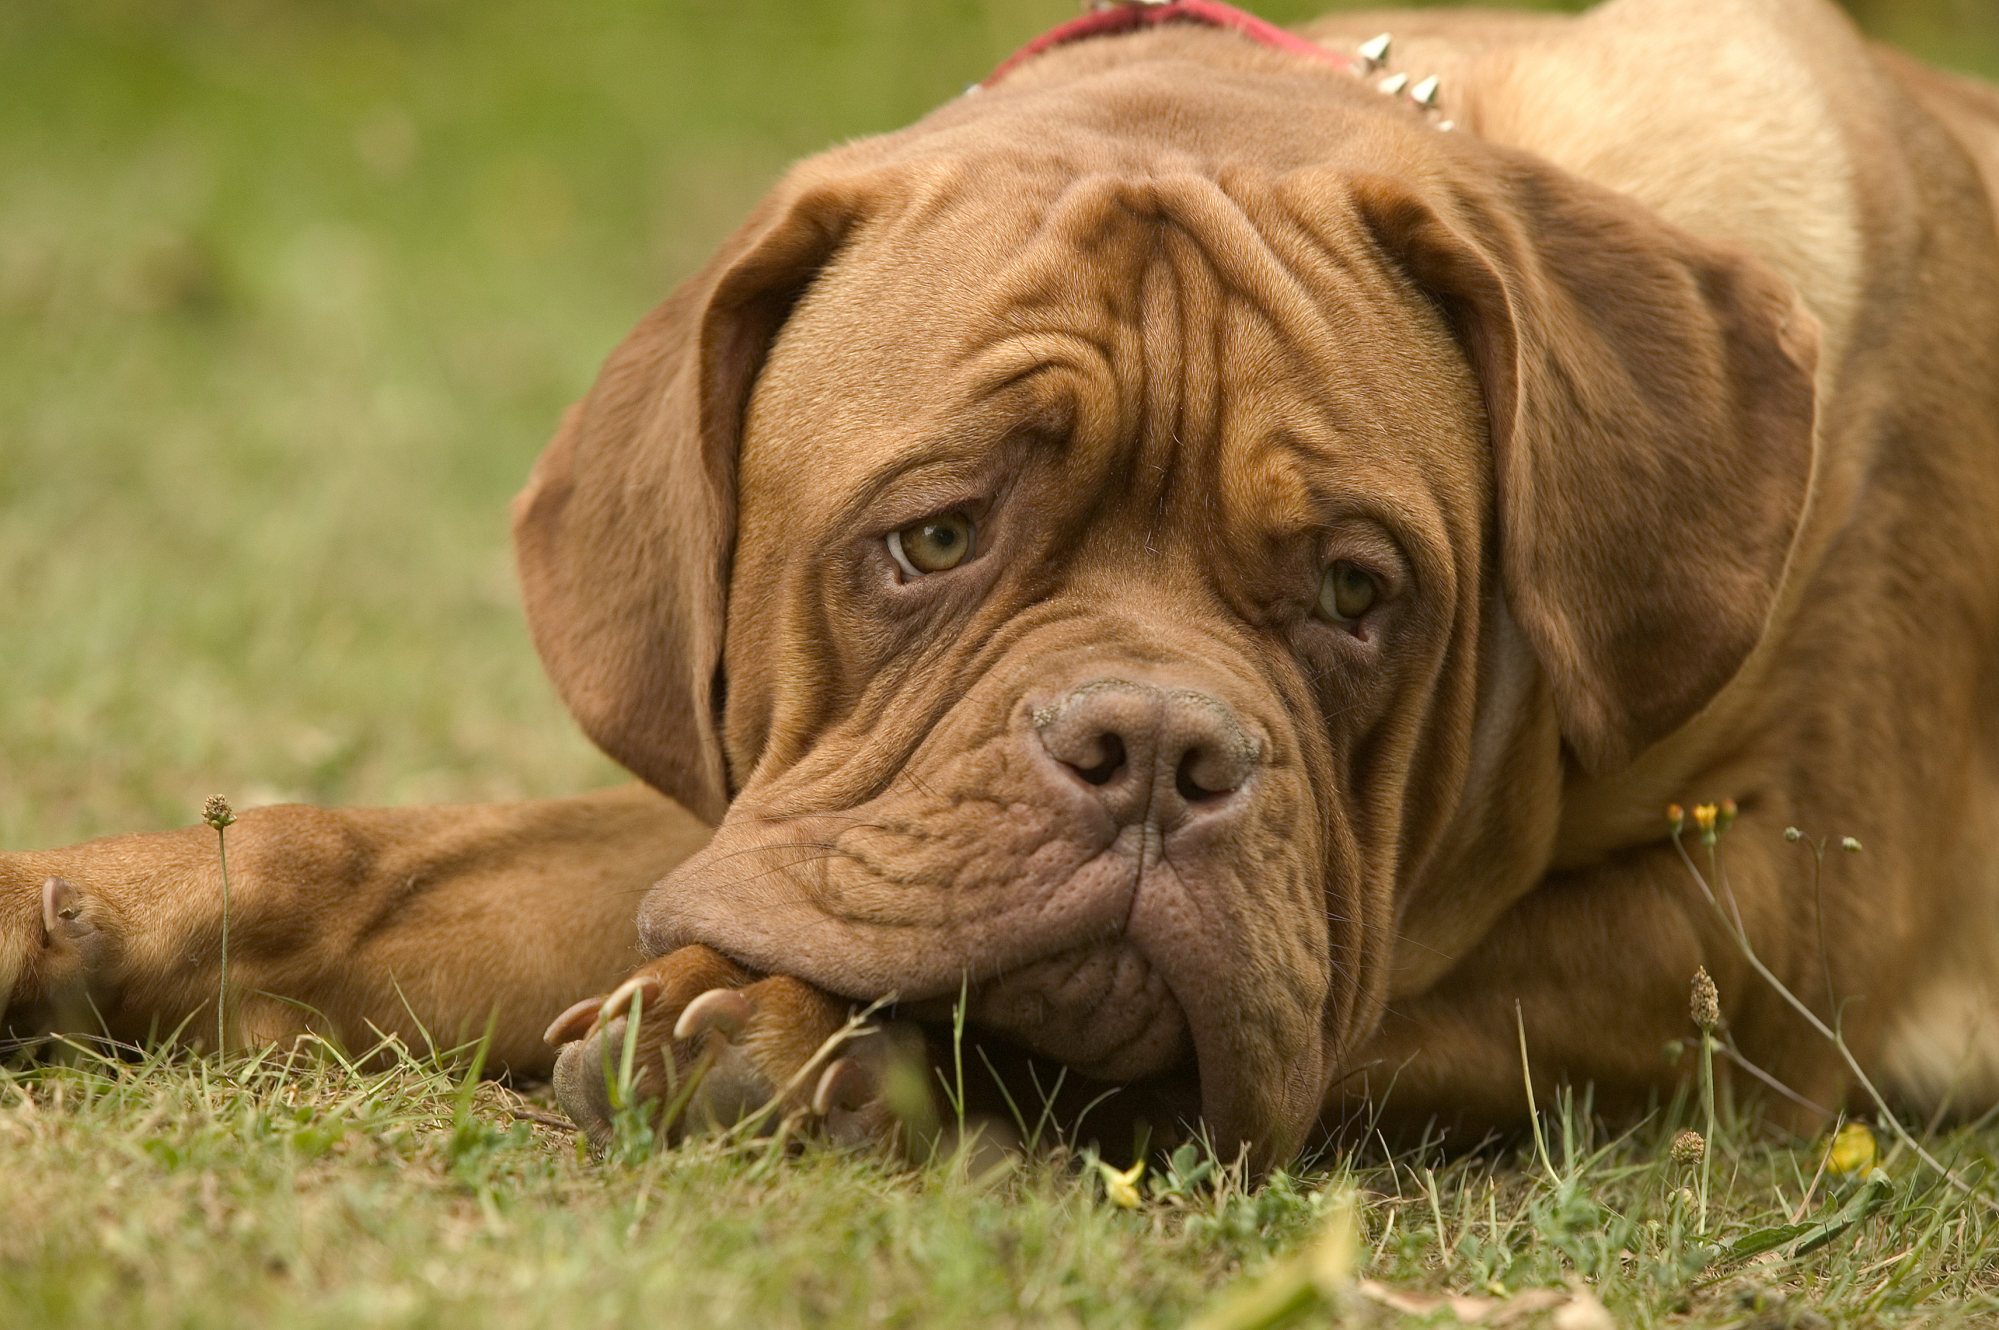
(1966, 107)
(1730, 118)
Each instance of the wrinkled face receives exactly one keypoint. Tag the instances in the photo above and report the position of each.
(1141, 558)
(1106, 565)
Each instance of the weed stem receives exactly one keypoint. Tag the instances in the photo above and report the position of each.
(217, 813)
(1811, 1017)
(1707, 1106)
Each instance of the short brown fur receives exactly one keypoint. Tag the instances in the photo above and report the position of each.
(1665, 410)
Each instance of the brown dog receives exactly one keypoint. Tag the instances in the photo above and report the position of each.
(1227, 572)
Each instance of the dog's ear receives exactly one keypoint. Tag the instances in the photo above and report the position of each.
(624, 533)
(1651, 407)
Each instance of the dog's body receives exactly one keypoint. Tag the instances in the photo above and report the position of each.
(1638, 438)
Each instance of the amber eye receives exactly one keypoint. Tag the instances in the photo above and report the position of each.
(933, 545)
(1346, 593)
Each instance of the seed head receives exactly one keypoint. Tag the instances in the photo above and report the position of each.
(1850, 845)
(1705, 1002)
(216, 812)
(1793, 835)
(1688, 1147)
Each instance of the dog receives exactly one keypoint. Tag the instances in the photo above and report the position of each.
(1212, 556)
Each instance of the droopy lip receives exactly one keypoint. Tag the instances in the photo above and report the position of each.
(775, 928)
(1261, 1074)
(1260, 1059)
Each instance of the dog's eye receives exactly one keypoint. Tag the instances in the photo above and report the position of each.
(1346, 593)
(933, 545)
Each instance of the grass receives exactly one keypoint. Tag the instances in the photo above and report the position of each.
(305, 1191)
(290, 296)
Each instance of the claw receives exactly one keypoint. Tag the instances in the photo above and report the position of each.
(643, 986)
(573, 1024)
(845, 1084)
(723, 1010)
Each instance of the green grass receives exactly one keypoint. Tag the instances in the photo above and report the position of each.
(290, 296)
(168, 1193)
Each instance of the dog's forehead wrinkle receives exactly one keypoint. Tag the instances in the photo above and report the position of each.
(1041, 343)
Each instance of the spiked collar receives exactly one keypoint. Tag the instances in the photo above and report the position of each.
(1108, 18)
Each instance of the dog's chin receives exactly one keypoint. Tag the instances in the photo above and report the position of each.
(1102, 1010)
(1090, 1042)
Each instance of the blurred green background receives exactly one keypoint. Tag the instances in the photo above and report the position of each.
(290, 296)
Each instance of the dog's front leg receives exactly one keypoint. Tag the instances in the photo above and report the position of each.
(422, 922)
(1592, 973)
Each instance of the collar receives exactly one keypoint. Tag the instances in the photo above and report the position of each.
(1108, 18)
(1105, 20)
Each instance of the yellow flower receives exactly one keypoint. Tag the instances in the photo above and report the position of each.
(1852, 1149)
(1704, 815)
(1122, 1187)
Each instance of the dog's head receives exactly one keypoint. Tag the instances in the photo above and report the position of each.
(1103, 546)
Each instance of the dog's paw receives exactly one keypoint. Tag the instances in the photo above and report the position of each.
(712, 1045)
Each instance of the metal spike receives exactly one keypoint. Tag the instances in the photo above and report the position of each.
(1375, 51)
(1425, 93)
(1394, 84)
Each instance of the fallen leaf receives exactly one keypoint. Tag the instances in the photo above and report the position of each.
(1316, 1276)
(1583, 1312)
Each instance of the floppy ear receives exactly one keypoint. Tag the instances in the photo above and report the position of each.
(624, 533)
(1651, 407)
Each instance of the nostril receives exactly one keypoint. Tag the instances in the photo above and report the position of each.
(1112, 760)
(1147, 753)
(1200, 780)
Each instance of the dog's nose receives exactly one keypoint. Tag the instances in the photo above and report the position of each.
(1150, 753)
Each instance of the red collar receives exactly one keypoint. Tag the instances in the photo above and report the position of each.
(1132, 15)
